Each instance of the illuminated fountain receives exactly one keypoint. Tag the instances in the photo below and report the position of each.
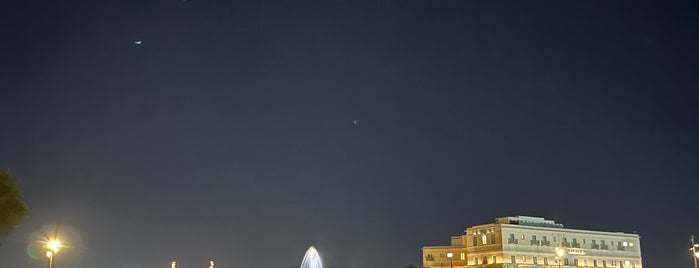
(311, 259)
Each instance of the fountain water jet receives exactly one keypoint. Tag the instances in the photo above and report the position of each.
(311, 259)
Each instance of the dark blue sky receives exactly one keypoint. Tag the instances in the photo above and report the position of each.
(228, 133)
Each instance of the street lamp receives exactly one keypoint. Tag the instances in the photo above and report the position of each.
(52, 246)
(695, 254)
(559, 256)
(450, 256)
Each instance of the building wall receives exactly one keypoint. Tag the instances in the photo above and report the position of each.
(437, 256)
(484, 244)
(577, 244)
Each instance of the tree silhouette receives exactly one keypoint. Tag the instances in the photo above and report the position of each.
(12, 209)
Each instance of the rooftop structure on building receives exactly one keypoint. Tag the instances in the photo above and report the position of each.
(529, 221)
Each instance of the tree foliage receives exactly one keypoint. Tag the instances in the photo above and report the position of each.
(12, 209)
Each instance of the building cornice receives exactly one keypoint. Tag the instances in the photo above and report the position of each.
(568, 230)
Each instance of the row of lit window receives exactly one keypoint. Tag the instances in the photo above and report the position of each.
(566, 261)
(535, 260)
(565, 240)
(430, 257)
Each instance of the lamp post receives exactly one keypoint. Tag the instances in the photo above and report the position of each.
(695, 254)
(52, 247)
(450, 256)
(559, 256)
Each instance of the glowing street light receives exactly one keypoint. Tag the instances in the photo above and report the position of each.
(52, 246)
(559, 256)
(695, 254)
(450, 256)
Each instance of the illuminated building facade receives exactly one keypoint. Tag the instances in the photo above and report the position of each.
(532, 242)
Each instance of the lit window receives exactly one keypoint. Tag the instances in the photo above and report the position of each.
(626, 244)
(475, 260)
(521, 236)
(627, 263)
(485, 239)
(463, 256)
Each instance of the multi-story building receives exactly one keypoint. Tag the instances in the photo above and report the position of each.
(532, 242)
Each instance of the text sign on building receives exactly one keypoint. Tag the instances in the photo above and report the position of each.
(575, 251)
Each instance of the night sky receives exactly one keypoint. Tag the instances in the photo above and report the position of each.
(229, 132)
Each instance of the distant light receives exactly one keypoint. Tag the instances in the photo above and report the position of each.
(627, 263)
(626, 244)
(560, 252)
(449, 255)
(173, 264)
(49, 254)
(696, 254)
(630, 244)
(54, 245)
(211, 264)
(137, 42)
